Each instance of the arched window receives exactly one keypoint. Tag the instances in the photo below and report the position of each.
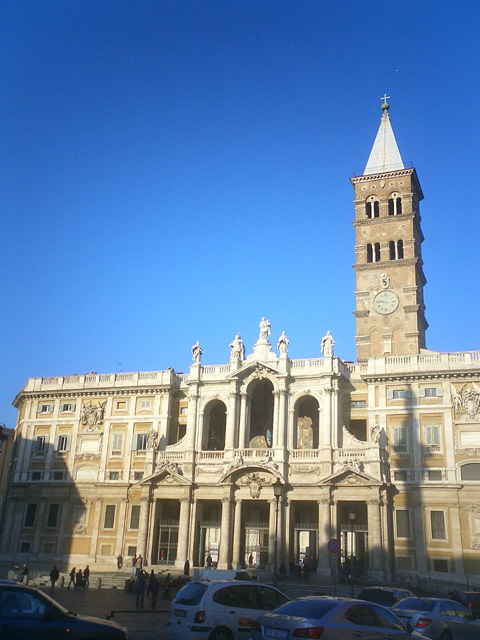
(394, 205)
(372, 208)
(377, 252)
(306, 435)
(214, 426)
(373, 252)
(369, 253)
(396, 249)
(470, 471)
(261, 415)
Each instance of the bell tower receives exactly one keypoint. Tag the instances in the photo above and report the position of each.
(390, 311)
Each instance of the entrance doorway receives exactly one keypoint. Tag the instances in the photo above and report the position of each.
(256, 545)
(168, 543)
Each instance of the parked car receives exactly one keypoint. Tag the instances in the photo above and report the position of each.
(220, 610)
(386, 596)
(330, 618)
(438, 618)
(471, 600)
(26, 612)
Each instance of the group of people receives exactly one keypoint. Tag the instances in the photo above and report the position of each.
(79, 579)
(303, 567)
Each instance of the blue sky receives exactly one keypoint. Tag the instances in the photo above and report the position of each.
(174, 171)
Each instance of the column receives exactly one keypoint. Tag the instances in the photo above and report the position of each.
(231, 421)
(225, 535)
(335, 412)
(282, 427)
(374, 539)
(237, 535)
(243, 420)
(280, 534)
(39, 524)
(326, 428)
(271, 532)
(275, 419)
(192, 417)
(121, 528)
(454, 513)
(419, 515)
(324, 535)
(96, 527)
(286, 530)
(12, 524)
(143, 525)
(183, 532)
(61, 529)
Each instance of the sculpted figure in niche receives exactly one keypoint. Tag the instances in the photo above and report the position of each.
(264, 330)
(375, 433)
(304, 433)
(237, 349)
(283, 343)
(152, 439)
(327, 344)
(197, 352)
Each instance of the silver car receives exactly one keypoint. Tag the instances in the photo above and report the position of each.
(438, 619)
(330, 619)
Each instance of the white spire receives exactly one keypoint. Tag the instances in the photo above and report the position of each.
(384, 155)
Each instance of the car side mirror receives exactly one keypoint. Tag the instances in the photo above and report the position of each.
(409, 628)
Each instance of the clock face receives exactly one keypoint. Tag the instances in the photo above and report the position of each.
(385, 302)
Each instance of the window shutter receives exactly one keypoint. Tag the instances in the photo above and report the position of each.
(135, 442)
(408, 393)
(57, 440)
(421, 392)
(69, 443)
(390, 394)
(440, 392)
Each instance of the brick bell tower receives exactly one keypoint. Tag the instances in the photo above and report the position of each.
(390, 311)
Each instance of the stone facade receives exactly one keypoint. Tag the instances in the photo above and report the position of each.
(231, 459)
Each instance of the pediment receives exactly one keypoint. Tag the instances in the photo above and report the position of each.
(255, 369)
(166, 473)
(348, 476)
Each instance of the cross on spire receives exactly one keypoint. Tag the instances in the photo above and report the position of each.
(385, 98)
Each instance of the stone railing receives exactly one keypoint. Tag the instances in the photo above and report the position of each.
(102, 381)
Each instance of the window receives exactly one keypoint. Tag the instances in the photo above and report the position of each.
(397, 394)
(430, 392)
(134, 516)
(358, 404)
(433, 438)
(68, 406)
(62, 443)
(470, 471)
(145, 405)
(372, 208)
(440, 564)
(48, 548)
(36, 476)
(109, 519)
(117, 444)
(183, 411)
(138, 475)
(25, 547)
(41, 445)
(434, 475)
(400, 476)
(399, 439)
(114, 475)
(121, 405)
(394, 205)
(58, 475)
(30, 515)
(52, 516)
(373, 252)
(403, 523)
(140, 441)
(437, 521)
(131, 551)
(45, 408)
(396, 249)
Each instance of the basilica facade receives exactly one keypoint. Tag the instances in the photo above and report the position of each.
(263, 458)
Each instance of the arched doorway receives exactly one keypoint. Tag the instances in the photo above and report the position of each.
(214, 426)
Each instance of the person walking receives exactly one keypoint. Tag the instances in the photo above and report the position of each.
(153, 589)
(86, 576)
(54, 576)
(141, 584)
(72, 578)
(79, 581)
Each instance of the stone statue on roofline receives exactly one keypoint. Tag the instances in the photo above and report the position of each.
(264, 330)
(282, 344)
(197, 352)
(237, 349)
(327, 344)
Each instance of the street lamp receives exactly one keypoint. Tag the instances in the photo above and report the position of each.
(352, 514)
(277, 492)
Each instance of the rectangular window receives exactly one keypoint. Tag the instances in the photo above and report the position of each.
(45, 408)
(114, 475)
(140, 441)
(68, 406)
(62, 443)
(138, 475)
(183, 411)
(52, 516)
(48, 548)
(358, 404)
(401, 393)
(25, 547)
(399, 439)
(36, 476)
(30, 515)
(403, 523)
(437, 520)
(109, 516)
(433, 439)
(434, 475)
(41, 444)
(131, 551)
(117, 444)
(135, 516)
(440, 564)
(430, 392)
(121, 405)
(145, 405)
(58, 475)
(400, 476)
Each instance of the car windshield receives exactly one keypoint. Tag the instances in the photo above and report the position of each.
(306, 608)
(415, 604)
(387, 598)
(190, 594)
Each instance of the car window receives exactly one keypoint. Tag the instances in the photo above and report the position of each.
(387, 620)
(242, 596)
(18, 604)
(460, 611)
(446, 608)
(191, 594)
(414, 604)
(361, 614)
(384, 598)
(271, 599)
(307, 608)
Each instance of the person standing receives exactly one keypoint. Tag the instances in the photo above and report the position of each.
(134, 566)
(186, 568)
(72, 578)
(54, 576)
(79, 582)
(86, 576)
(139, 564)
(24, 575)
(119, 561)
(209, 561)
(153, 589)
(141, 584)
